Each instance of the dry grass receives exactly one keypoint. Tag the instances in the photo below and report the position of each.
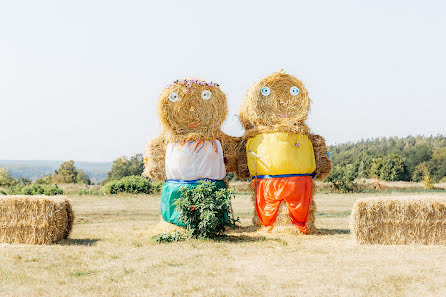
(110, 253)
(400, 220)
(34, 219)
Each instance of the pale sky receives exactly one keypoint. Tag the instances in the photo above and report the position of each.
(80, 79)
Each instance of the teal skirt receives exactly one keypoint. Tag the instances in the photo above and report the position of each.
(171, 192)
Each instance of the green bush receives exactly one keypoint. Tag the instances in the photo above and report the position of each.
(123, 166)
(129, 184)
(50, 190)
(342, 179)
(157, 186)
(45, 180)
(205, 209)
(169, 237)
(6, 179)
(89, 192)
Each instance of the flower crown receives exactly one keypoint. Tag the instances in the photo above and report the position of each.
(188, 83)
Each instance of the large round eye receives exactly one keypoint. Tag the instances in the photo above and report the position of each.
(294, 90)
(265, 91)
(173, 97)
(206, 95)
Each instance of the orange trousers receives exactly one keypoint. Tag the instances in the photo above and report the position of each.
(295, 190)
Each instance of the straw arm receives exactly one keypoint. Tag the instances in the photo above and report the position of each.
(323, 163)
(154, 159)
(242, 160)
(229, 144)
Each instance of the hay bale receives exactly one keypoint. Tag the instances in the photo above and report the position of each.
(35, 219)
(400, 220)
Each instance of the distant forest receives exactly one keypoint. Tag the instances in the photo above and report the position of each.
(406, 159)
(34, 169)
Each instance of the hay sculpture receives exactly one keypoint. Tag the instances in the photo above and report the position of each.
(280, 154)
(399, 220)
(35, 219)
(191, 146)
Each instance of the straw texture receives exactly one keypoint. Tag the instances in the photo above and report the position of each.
(35, 219)
(280, 111)
(400, 220)
(189, 118)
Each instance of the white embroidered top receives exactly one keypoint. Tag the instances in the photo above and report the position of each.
(195, 160)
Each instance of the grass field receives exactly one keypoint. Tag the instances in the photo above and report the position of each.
(111, 253)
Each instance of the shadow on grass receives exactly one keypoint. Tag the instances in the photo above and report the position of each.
(237, 235)
(333, 231)
(84, 242)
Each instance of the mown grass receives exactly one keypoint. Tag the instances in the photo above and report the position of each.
(111, 253)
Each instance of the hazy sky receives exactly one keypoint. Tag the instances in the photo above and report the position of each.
(80, 79)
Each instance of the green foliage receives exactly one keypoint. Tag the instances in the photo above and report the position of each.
(123, 167)
(427, 181)
(89, 192)
(24, 181)
(170, 237)
(34, 189)
(393, 168)
(66, 174)
(82, 178)
(129, 184)
(342, 178)
(157, 186)
(393, 158)
(438, 164)
(205, 209)
(421, 170)
(6, 179)
(375, 167)
(45, 180)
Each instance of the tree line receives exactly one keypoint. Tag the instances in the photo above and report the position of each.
(391, 159)
(411, 158)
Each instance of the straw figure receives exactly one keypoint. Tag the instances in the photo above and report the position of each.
(191, 146)
(280, 154)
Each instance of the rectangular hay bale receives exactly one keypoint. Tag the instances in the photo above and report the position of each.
(400, 220)
(35, 219)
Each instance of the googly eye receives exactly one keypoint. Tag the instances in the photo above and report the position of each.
(294, 90)
(173, 97)
(206, 95)
(265, 91)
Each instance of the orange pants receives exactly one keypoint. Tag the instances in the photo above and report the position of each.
(295, 190)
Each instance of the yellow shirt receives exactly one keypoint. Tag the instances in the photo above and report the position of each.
(280, 153)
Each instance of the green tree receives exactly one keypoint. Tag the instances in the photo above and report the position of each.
(6, 179)
(342, 178)
(67, 173)
(438, 164)
(417, 154)
(124, 166)
(44, 180)
(375, 167)
(420, 172)
(393, 168)
(24, 181)
(82, 178)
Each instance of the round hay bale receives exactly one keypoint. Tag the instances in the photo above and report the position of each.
(35, 219)
(400, 220)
